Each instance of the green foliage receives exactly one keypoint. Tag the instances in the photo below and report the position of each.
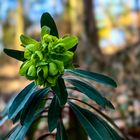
(47, 20)
(19, 55)
(61, 133)
(47, 59)
(33, 108)
(20, 100)
(95, 127)
(26, 40)
(90, 91)
(93, 76)
(45, 63)
(61, 91)
(54, 114)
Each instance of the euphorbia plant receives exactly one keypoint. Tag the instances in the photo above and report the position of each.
(45, 62)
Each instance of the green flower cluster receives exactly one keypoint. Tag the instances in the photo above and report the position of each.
(47, 59)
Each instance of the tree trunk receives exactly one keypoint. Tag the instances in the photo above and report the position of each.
(73, 17)
(19, 23)
(92, 51)
(90, 23)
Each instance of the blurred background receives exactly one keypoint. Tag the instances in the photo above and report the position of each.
(109, 43)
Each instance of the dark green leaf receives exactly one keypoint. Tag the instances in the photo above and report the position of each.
(112, 132)
(110, 122)
(54, 114)
(90, 91)
(26, 40)
(33, 108)
(29, 113)
(3, 120)
(61, 133)
(100, 125)
(104, 117)
(95, 127)
(20, 100)
(10, 132)
(89, 128)
(47, 20)
(17, 117)
(15, 133)
(20, 132)
(72, 88)
(61, 91)
(94, 76)
(6, 109)
(19, 55)
(4, 113)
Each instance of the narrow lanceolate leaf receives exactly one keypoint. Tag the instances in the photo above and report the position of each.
(47, 20)
(3, 120)
(95, 127)
(33, 108)
(26, 40)
(20, 100)
(54, 114)
(94, 76)
(10, 132)
(61, 133)
(28, 115)
(17, 117)
(91, 92)
(19, 132)
(106, 118)
(6, 109)
(61, 91)
(89, 128)
(19, 55)
(98, 123)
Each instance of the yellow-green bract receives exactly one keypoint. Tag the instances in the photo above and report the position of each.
(47, 59)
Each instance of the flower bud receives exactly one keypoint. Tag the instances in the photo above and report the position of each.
(42, 72)
(52, 80)
(32, 71)
(30, 47)
(60, 66)
(53, 70)
(27, 54)
(24, 67)
(39, 81)
(44, 44)
(45, 71)
(39, 72)
(47, 38)
(48, 58)
(67, 57)
(59, 48)
(39, 54)
(41, 63)
(36, 57)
